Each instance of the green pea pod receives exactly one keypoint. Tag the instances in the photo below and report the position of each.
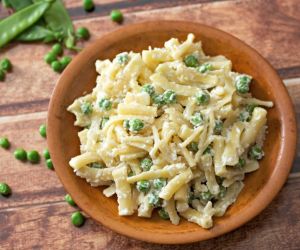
(18, 4)
(37, 33)
(15, 24)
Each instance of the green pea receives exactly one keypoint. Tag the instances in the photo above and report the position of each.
(83, 33)
(57, 49)
(88, 5)
(148, 88)
(193, 146)
(57, 66)
(97, 165)
(50, 57)
(20, 154)
(191, 61)
(146, 164)
(86, 108)
(46, 154)
(33, 156)
(241, 163)
(206, 196)
(135, 125)
(158, 100)
(154, 199)
(105, 104)
(222, 191)
(218, 127)
(197, 119)
(143, 186)
(49, 164)
(65, 61)
(163, 214)
(242, 84)
(5, 64)
(159, 183)
(4, 143)
(256, 152)
(70, 201)
(208, 150)
(116, 16)
(123, 58)
(5, 190)
(202, 97)
(205, 67)
(43, 130)
(2, 75)
(169, 97)
(104, 121)
(77, 219)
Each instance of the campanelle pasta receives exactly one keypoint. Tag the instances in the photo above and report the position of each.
(170, 129)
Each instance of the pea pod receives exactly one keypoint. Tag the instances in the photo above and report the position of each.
(15, 24)
(18, 4)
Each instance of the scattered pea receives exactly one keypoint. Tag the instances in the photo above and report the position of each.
(46, 154)
(143, 186)
(5, 190)
(135, 125)
(65, 60)
(242, 84)
(5, 64)
(169, 97)
(256, 152)
(218, 127)
(159, 183)
(116, 16)
(4, 143)
(193, 146)
(2, 75)
(202, 97)
(191, 61)
(77, 219)
(70, 201)
(205, 67)
(148, 88)
(83, 33)
(197, 119)
(105, 104)
(88, 5)
(86, 108)
(50, 57)
(146, 164)
(57, 66)
(43, 130)
(20, 154)
(49, 164)
(57, 49)
(33, 156)
(163, 214)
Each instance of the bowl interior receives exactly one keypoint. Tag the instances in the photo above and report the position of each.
(260, 186)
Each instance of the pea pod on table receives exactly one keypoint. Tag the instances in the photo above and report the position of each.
(39, 33)
(15, 24)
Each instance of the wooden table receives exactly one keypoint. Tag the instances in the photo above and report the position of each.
(36, 216)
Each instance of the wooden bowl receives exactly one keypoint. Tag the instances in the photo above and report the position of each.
(260, 186)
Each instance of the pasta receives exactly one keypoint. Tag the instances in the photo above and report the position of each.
(170, 129)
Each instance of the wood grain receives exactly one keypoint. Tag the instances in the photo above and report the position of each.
(275, 228)
(275, 36)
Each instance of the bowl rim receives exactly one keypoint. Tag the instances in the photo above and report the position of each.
(273, 185)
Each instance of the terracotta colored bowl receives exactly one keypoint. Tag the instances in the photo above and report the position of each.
(260, 186)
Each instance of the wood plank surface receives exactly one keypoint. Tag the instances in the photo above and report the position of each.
(35, 215)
